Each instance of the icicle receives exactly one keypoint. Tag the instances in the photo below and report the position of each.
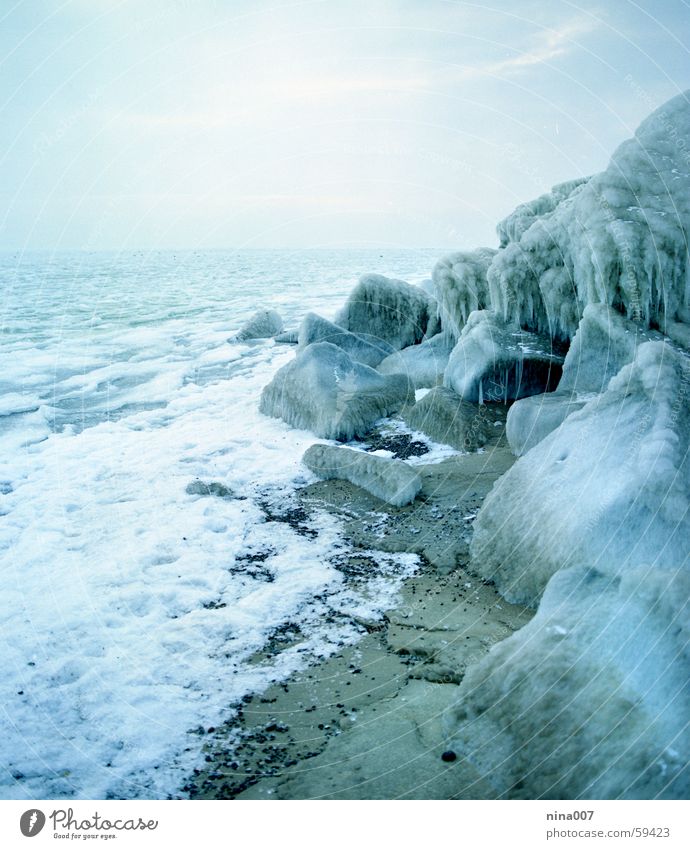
(481, 392)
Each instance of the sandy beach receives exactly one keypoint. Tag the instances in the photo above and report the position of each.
(368, 722)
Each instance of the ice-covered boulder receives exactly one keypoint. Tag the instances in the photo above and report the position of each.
(605, 342)
(325, 391)
(620, 238)
(393, 481)
(511, 228)
(460, 286)
(444, 417)
(494, 361)
(590, 700)
(262, 325)
(314, 328)
(391, 311)
(288, 337)
(424, 364)
(608, 490)
(532, 419)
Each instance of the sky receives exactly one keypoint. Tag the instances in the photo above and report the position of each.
(323, 123)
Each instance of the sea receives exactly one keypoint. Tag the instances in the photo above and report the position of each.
(149, 549)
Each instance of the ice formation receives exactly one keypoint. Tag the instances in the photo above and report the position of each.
(288, 337)
(393, 481)
(603, 344)
(460, 287)
(590, 699)
(619, 238)
(532, 419)
(262, 325)
(493, 361)
(314, 328)
(607, 490)
(323, 390)
(388, 310)
(444, 417)
(424, 364)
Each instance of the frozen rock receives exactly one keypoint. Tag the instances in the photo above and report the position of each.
(325, 391)
(316, 329)
(424, 364)
(603, 344)
(679, 333)
(444, 417)
(288, 337)
(532, 419)
(460, 287)
(493, 361)
(521, 219)
(262, 325)
(383, 309)
(619, 239)
(590, 699)
(392, 481)
(609, 489)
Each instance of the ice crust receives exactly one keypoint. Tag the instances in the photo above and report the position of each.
(393, 481)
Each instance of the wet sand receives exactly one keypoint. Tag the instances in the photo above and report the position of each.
(367, 723)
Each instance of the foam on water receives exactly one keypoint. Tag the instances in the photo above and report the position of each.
(135, 611)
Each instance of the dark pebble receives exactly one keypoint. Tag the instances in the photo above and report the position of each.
(449, 756)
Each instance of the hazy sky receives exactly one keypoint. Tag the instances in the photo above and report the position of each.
(228, 123)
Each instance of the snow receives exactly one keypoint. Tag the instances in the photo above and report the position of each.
(325, 391)
(393, 481)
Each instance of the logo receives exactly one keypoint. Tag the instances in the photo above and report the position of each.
(32, 822)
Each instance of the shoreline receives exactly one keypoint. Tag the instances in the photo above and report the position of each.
(366, 723)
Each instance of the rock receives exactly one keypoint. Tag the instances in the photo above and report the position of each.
(444, 417)
(532, 419)
(590, 699)
(608, 489)
(424, 364)
(316, 329)
(393, 481)
(493, 361)
(215, 488)
(262, 325)
(288, 337)
(382, 309)
(325, 391)
(460, 287)
(605, 341)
